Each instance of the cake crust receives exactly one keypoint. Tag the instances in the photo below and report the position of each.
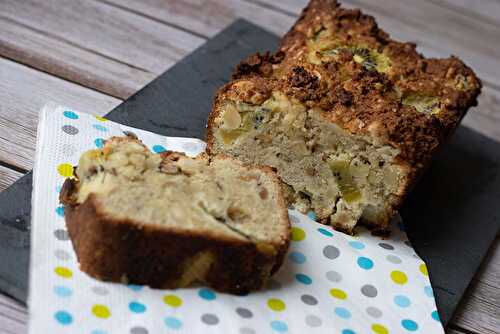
(338, 61)
(129, 251)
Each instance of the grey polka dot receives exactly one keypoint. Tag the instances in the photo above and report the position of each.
(313, 321)
(407, 243)
(100, 290)
(273, 285)
(294, 219)
(138, 330)
(331, 252)
(244, 312)
(369, 290)
(246, 330)
(69, 129)
(386, 246)
(68, 150)
(210, 319)
(333, 276)
(61, 234)
(393, 259)
(62, 255)
(374, 312)
(309, 300)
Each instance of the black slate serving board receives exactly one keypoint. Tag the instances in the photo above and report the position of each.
(451, 217)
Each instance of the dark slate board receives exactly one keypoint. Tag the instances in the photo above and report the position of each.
(450, 217)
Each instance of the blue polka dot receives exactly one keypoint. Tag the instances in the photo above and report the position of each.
(98, 331)
(428, 291)
(325, 232)
(342, 312)
(435, 315)
(356, 244)
(134, 287)
(60, 211)
(207, 294)
(304, 279)
(402, 301)
(297, 257)
(348, 331)
(279, 326)
(63, 291)
(173, 323)
(409, 325)
(137, 307)
(159, 149)
(365, 263)
(99, 143)
(100, 127)
(63, 317)
(70, 114)
(311, 215)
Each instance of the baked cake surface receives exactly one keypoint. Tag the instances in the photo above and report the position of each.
(168, 220)
(349, 117)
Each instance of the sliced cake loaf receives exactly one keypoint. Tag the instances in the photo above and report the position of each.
(349, 117)
(168, 220)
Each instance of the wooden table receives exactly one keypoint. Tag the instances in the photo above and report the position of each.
(93, 54)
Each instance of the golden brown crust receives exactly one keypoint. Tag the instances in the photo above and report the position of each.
(131, 252)
(339, 61)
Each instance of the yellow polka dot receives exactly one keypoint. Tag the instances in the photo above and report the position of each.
(337, 293)
(276, 304)
(399, 277)
(298, 234)
(379, 329)
(423, 269)
(99, 118)
(172, 300)
(65, 170)
(101, 311)
(63, 272)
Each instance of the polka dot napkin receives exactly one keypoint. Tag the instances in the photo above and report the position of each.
(330, 282)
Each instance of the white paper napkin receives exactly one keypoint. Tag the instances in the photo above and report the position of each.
(330, 282)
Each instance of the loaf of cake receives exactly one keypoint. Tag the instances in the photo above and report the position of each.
(348, 117)
(168, 221)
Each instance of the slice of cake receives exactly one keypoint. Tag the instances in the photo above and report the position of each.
(349, 117)
(168, 220)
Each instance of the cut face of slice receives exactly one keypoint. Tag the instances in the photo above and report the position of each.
(174, 191)
(342, 177)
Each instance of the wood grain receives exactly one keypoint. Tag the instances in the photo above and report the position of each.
(479, 310)
(23, 91)
(13, 316)
(483, 9)
(67, 60)
(7, 177)
(207, 17)
(106, 30)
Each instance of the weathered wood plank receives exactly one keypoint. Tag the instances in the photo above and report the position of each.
(112, 32)
(13, 316)
(484, 9)
(207, 17)
(7, 177)
(480, 308)
(69, 61)
(23, 91)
